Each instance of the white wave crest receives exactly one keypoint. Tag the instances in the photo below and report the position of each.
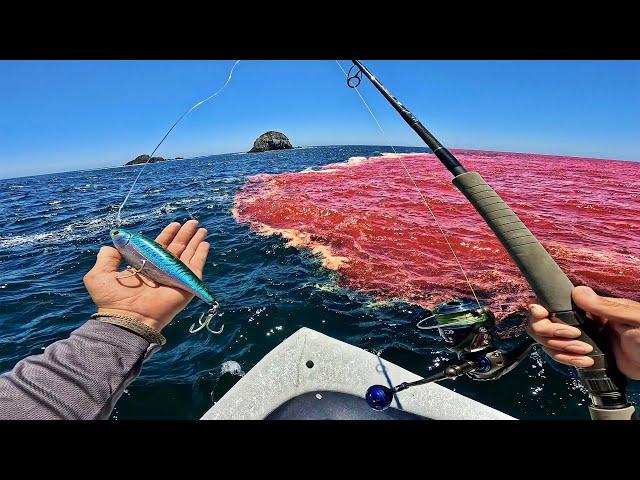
(231, 367)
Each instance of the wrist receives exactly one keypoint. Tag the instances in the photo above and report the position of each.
(157, 325)
(132, 324)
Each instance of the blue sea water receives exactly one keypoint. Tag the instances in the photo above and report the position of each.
(53, 225)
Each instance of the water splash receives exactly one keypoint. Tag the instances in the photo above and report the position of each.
(232, 367)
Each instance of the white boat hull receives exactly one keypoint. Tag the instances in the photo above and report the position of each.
(286, 385)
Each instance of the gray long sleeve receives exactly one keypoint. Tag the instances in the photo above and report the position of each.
(80, 378)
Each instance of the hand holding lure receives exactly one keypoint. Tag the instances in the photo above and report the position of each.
(149, 258)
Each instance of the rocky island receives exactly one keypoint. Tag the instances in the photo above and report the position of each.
(144, 158)
(271, 141)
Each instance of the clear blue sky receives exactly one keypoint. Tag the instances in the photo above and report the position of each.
(68, 115)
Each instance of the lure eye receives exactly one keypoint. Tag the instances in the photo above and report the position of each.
(116, 232)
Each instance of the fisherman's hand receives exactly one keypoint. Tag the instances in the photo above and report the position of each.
(138, 297)
(619, 318)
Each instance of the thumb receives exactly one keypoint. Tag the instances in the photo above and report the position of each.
(613, 309)
(108, 260)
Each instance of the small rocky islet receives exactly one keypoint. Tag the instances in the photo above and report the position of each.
(145, 158)
(271, 140)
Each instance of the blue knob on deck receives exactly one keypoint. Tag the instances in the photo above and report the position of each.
(379, 397)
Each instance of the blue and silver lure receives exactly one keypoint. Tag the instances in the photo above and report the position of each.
(149, 258)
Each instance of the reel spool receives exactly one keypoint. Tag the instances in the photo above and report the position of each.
(464, 324)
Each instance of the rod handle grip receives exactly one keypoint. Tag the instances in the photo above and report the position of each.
(626, 413)
(552, 287)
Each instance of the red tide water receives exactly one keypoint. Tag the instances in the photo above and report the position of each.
(367, 220)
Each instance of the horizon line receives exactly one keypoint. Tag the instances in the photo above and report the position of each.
(329, 145)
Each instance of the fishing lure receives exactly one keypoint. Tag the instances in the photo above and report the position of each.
(149, 258)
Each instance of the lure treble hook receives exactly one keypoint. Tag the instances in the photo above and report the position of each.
(131, 272)
(205, 319)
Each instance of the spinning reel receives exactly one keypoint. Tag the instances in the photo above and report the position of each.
(467, 328)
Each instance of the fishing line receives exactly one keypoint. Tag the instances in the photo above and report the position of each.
(188, 111)
(189, 212)
(354, 85)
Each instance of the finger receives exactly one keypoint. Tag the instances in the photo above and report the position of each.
(167, 234)
(539, 325)
(538, 312)
(613, 309)
(569, 359)
(625, 343)
(182, 238)
(108, 260)
(624, 301)
(199, 258)
(568, 346)
(198, 238)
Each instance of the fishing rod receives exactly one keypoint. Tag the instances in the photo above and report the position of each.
(604, 382)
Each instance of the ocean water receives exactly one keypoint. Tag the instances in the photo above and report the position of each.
(370, 263)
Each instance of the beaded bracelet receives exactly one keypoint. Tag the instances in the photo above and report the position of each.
(132, 324)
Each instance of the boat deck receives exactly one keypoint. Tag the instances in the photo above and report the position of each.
(313, 376)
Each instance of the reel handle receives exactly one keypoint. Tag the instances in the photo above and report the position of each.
(605, 383)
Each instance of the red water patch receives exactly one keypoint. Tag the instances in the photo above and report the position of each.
(366, 218)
